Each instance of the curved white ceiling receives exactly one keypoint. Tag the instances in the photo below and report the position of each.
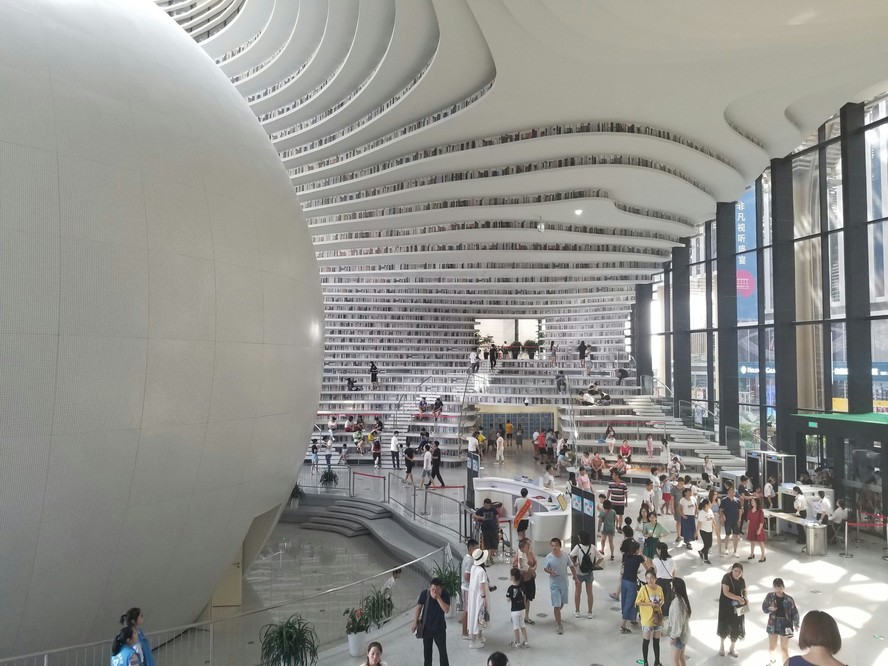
(428, 137)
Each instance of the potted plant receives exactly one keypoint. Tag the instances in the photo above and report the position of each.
(378, 607)
(515, 349)
(486, 341)
(292, 642)
(329, 478)
(451, 577)
(296, 495)
(531, 346)
(357, 623)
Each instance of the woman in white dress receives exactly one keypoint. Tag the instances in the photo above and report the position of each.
(478, 597)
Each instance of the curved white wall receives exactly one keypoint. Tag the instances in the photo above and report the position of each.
(160, 322)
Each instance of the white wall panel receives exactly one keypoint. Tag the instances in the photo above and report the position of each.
(104, 289)
(26, 406)
(29, 282)
(179, 383)
(29, 185)
(239, 304)
(160, 322)
(166, 465)
(237, 378)
(183, 297)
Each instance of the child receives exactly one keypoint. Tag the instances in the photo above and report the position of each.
(647, 497)
(314, 457)
(666, 486)
(607, 525)
(515, 595)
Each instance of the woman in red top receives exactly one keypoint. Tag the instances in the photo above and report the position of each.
(755, 533)
(626, 451)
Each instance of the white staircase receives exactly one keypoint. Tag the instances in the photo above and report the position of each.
(699, 441)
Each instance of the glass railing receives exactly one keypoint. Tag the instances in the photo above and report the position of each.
(694, 415)
(739, 441)
(235, 641)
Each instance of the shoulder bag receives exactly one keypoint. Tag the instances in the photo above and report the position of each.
(420, 623)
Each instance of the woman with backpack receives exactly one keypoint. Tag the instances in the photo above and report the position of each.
(584, 557)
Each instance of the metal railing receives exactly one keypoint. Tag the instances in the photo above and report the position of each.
(235, 640)
(431, 507)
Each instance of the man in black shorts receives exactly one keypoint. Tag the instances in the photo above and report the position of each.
(488, 516)
(617, 493)
(729, 509)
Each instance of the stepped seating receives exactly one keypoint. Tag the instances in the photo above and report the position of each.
(346, 517)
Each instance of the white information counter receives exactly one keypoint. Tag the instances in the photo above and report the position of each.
(551, 509)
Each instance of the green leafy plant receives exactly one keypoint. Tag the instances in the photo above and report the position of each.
(378, 607)
(297, 492)
(292, 642)
(356, 621)
(329, 478)
(451, 577)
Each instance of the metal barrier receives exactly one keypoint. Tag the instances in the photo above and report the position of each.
(365, 484)
(431, 506)
(234, 641)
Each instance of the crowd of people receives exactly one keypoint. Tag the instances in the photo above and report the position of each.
(653, 597)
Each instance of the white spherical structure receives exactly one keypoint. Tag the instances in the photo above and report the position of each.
(160, 322)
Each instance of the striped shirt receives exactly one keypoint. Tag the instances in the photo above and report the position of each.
(616, 493)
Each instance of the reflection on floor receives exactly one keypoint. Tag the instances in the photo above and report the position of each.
(853, 590)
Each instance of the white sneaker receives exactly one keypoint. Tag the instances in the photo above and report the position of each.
(476, 644)
(590, 615)
(514, 644)
(576, 613)
(466, 638)
(525, 644)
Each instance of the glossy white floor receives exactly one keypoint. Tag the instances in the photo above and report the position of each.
(854, 590)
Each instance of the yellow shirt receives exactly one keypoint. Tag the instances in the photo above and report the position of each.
(645, 594)
(509, 427)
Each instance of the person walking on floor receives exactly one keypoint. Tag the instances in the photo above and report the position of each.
(426, 479)
(478, 598)
(394, 449)
(466, 570)
(756, 528)
(632, 561)
(731, 617)
(729, 512)
(649, 600)
(515, 595)
(526, 562)
(556, 565)
(679, 622)
(705, 527)
(783, 620)
(432, 607)
(584, 557)
(436, 464)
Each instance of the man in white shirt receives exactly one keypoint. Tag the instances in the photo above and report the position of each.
(427, 466)
(769, 493)
(395, 449)
(837, 521)
(500, 448)
(472, 442)
(823, 508)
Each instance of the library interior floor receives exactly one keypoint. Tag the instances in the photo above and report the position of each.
(853, 590)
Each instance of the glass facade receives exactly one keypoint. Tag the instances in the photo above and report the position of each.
(827, 319)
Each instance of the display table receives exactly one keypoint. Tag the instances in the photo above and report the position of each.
(551, 508)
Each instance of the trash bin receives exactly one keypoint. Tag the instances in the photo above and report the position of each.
(815, 538)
